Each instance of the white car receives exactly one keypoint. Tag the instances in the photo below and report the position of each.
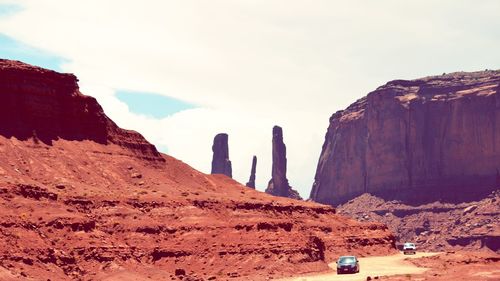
(409, 248)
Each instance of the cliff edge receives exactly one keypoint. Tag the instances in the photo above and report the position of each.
(45, 105)
(434, 138)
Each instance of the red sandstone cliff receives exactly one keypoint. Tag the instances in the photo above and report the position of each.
(83, 199)
(46, 105)
(427, 139)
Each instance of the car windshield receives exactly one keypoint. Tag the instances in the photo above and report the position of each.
(409, 245)
(347, 260)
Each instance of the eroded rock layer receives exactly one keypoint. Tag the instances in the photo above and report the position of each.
(81, 205)
(436, 226)
(426, 139)
(44, 105)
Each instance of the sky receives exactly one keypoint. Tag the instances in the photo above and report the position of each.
(179, 72)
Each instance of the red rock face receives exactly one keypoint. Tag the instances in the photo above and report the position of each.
(82, 203)
(427, 139)
(46, 105)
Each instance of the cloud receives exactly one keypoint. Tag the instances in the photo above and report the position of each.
(249, 65)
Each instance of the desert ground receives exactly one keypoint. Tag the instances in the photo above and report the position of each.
(83, 199)
(464, 265)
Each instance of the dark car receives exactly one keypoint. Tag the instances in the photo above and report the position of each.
(347, 264)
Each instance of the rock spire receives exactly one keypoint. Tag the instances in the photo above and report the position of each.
(220, 160)
(278, 185)
(251, 181)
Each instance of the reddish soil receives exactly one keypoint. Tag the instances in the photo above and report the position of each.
(95, 202)
(462, 266)
(457, 266)
(87, 211)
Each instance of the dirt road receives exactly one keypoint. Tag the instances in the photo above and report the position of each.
(371, 266)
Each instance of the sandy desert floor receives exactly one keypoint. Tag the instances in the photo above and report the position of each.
(372, 266)
(464, 265)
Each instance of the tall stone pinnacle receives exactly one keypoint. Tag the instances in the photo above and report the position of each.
(278, 185)
(251, 181)
(220, 161)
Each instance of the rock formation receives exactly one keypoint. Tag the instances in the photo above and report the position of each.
(45, 105)
(251, 181)
(498, 178)
(278, 185)
(435, 227)
(91, 201)
(426, 139)
(220, 160)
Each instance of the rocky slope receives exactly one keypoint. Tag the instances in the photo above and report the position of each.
(435, 226)
(432, 138)
(83, 199)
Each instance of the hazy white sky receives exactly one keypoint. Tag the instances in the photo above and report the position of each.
(247, 65)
